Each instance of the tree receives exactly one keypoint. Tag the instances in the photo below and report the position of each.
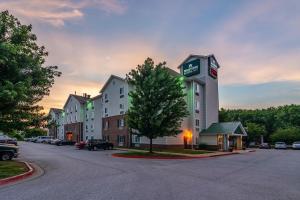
(24, 81)
(288, 135)
(255, 131)
(157, 101)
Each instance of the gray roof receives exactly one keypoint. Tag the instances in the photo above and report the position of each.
(233, 128)
(81, 99)
(56, 110)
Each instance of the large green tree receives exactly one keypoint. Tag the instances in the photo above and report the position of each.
(157, 104)
(24, 80)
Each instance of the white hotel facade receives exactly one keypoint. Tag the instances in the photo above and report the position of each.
(103, 116)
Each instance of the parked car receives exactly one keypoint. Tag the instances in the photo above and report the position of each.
(43, 139)
(80, 145)
(265, 146)
(8, 151)
(98, 144)
(296, 145)
(64, 142)
(252, 145)
(280, 145)
(54, 141)
(8, 140)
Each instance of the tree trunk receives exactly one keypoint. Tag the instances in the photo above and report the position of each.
(150, 149)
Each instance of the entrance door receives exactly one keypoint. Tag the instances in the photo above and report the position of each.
(185, 142)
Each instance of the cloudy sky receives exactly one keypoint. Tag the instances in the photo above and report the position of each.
(257, 43)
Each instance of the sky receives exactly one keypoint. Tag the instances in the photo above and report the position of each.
(256, 43)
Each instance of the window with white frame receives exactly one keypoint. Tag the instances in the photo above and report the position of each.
(197, 88)
(106, 125)
(121, 106)
(92, 126)
(122, 122)
(106, 97)
(197, 105)
(92, 115)
(197, 122)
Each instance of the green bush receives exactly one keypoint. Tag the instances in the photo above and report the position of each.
(287, 135)
(34, 132)
(17, 135)
(203, 146)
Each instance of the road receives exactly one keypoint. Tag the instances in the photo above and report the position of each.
(71, 174)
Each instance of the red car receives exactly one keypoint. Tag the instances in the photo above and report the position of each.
(80, 145)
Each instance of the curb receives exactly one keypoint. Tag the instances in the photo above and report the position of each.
(8, 180)
(179, 157)
(155, 157)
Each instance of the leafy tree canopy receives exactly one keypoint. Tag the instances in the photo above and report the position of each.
(24, 81)
(270, 119)
(157, 101)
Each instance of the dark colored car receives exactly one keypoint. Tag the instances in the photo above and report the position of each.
(99, 144)
(265, 146)
(7, 140)
(80, 145)
(8, 151)
(64, 142)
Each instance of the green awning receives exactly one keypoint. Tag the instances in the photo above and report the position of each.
(231, 128)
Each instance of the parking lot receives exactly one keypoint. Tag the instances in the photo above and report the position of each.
(80, 174)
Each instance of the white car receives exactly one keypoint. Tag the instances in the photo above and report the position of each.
(280, 145)
(296, 145)
(43, 139)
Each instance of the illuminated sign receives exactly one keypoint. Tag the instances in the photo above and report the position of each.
(191, 68)
(213, 67)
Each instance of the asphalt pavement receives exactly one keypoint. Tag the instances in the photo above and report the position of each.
(71, 174)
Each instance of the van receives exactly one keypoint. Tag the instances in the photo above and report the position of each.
(43, 139)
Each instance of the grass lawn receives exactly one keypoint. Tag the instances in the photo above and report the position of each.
(184, 151)
(11, 168)
(147, 154)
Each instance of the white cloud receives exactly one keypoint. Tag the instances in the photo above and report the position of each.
(56, 12)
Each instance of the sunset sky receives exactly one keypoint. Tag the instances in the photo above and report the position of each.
(257, 43)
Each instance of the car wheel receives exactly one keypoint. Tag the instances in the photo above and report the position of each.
(6, 156)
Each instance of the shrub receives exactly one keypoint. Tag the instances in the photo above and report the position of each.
(34, 132)
(287, 135)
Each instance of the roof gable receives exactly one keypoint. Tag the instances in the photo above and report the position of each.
(225, 128)
(109, 80)
(80, 99)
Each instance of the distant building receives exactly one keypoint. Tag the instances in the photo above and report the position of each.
(103, 116)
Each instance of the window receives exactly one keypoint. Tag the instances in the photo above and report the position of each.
(86, 127)
(121, 92)
(75, 118)
(75, 108)
(121, 139)
(122, 122)
(105, 112)
(87, 117)
(197, 106)
(92, 126)
(106, 125)
(197, 88)
(92, 115)
(197, 122)
(106, 98)
(136, 139)
(121, 112)
(121, 106)
(86, 137)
